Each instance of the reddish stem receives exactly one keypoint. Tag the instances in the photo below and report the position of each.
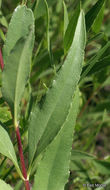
(1, 60)
(24, 172)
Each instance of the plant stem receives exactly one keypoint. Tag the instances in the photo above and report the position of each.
(1, 60)
(24, 172)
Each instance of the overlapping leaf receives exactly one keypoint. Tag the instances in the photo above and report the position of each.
(48, 117)
(92, 14)
(99, 66)
(98, 21)
(7, 149)
(53, 170)
(94, 60)
(17, 58)
(17, 30)
(66, 19)
(70, 31)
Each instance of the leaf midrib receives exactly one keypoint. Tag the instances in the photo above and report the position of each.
(17, 81)
(58, 98)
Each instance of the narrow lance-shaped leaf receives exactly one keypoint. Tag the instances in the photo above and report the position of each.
(6, 148)
(48, 34)
(98, 36)
(99, 66)
(3, 20)
(98, 21)
(70, 31)
(4, 186)
(93, 13)
(66, 19)
(78, 155)
(94, 60)
(47, 25)
(17, 66)
(0, 3)
(47, 117)
(53, 170)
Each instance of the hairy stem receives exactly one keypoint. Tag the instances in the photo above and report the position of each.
(24, 172)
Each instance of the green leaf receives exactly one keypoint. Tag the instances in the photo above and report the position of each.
(3, 20)
(101, 64)
(48, 116)
(2, 36)
(26, 21)
(4, 186)
(48, 35)
(50, 2)
(7, 149)
(19, 185)
(47, 25)
(102, 166)
(0, 3)
(40, 9)
(98, 21)
(53, 170)
(93, 13)
(40, 67)
(78, 155)
(79, 167)
(69, 34)
(66, 19)
(5, 114)
(102, 105)
(99, 36)
(17, 60)
(94, 60)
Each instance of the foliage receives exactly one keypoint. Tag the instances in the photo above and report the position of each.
(54, 94)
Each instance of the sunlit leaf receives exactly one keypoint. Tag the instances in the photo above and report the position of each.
(17, 60)
(48, 116)
(4, 186)
(7, 149)
(53, 170)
